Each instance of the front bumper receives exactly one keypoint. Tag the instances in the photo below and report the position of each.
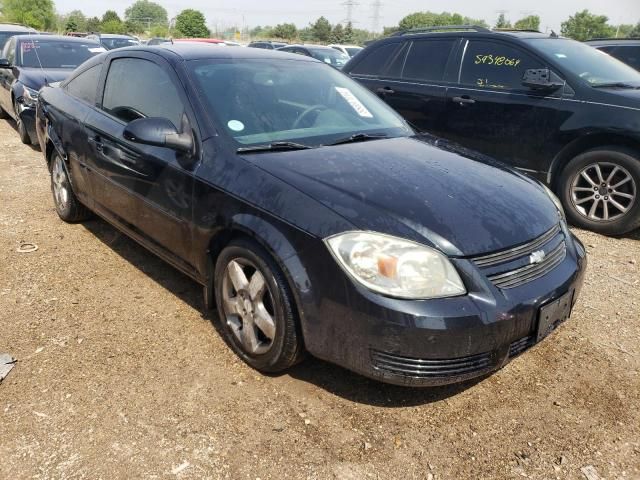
(27, 116)
(433, 342)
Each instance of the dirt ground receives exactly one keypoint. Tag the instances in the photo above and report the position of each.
(120, 375)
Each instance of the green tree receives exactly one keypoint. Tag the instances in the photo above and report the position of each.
(93, 24)
(190, 23)
(286, 31)
(531, 22)
(38, 14)
(112, 26)
(337, 35)
(161, 31)
(635, 32)
(321, 30)
(502, 22)
(110, 16)
(75, 21)
(146, 13)
(584, 26)
(623, 31)
(348, 33)
(432, 19)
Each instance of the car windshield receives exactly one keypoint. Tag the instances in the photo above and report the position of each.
(593, 66)
(264, 101)
(4, 36)
(352, 50)
(55, 53)
(329, 56)
(112, 43)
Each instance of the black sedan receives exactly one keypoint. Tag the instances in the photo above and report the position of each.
(328, 55)
(312, 215)
(28, 63)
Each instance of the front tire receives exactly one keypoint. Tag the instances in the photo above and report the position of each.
(600, 190)
(67, 204)
(256, 308)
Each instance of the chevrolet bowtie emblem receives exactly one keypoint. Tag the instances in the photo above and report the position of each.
(537, 257)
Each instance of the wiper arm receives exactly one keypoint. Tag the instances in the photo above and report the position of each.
(359, 137)
(274, 147)
(615, 85)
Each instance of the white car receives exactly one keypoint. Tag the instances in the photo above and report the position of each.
(349, 50)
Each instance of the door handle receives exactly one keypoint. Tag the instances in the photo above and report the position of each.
(385, 91)
(464, 100)
(97, 141)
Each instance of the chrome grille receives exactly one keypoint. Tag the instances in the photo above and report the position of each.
(515, 267)
(423, 368)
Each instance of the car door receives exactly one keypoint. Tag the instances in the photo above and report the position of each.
(492, 112)
(7, 76)
(147, 189)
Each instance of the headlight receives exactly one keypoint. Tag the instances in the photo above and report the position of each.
(554, 199)
(29, 96)
(395, 267)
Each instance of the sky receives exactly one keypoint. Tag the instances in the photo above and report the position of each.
(301, 12)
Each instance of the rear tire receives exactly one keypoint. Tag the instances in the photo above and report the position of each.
(67, 204)
(600, 190)
(256, 308)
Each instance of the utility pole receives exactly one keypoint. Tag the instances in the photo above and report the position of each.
(350, 4)
(376, 7)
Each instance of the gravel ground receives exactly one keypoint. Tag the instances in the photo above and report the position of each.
(120, 375)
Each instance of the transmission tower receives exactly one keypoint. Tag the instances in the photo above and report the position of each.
(350, 4)
(376, 6)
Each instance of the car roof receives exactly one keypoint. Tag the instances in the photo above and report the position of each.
(14, 27)
(521, 34)
(65, 38)
(193, 51)
(310, 46)
(112, 35)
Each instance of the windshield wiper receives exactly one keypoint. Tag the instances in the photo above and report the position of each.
(359, 137)
(274, 147)
(616, 85)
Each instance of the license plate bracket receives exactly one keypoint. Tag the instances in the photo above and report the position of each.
(554, 314)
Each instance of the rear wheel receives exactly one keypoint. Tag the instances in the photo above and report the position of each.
(255, 308)
(600, 190)
(67, 204)
(22, 129)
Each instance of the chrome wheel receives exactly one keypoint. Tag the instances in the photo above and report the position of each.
(603, 192)
(60, 184)
(248, 306)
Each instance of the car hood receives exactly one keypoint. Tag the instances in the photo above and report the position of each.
(37, 78)
(422, 189)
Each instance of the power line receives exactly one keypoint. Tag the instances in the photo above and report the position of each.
(350, 4)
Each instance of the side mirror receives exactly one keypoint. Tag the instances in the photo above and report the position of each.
(542, 79)
(158, 132)
(4, 63)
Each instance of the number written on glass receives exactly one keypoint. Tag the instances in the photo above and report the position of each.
(497, 60)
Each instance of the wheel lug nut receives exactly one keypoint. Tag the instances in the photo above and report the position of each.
(606, 198)
(595, 189)
(597, 197)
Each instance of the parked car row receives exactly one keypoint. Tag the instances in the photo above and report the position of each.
(315, 218)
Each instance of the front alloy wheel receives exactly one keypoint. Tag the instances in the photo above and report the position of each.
(256, 308)
(22, 129)
(67, 204)
(599, 190)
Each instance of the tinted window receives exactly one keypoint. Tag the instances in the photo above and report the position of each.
(84, 86)
(130, 93)
(10, 51)
(495, 65)
(55, 53)
(427, 59)
(628, 54)
(374, 63)
(5, 36)
(113, 43)
(330, 56)
(593, 66)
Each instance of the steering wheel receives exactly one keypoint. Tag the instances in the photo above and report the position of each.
(306, 113)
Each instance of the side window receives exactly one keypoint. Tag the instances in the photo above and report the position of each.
(495, 65)
(427, 59)
(627, 54)
(84, 86)
(10, 51)
(137, 88)
(375, 62)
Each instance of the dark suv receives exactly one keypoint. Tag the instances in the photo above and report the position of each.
(552, 107)
(626, 50)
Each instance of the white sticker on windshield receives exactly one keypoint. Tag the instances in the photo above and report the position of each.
(97, 50)
(561, 55)
(354, 102)
(236, 125)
